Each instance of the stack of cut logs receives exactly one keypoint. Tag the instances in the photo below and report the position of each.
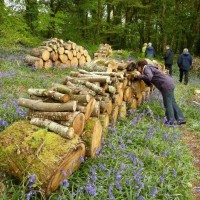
(103, 52)
(55, 52)
(79, 109)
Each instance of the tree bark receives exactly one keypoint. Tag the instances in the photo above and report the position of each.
(49, 107)
(63, 131)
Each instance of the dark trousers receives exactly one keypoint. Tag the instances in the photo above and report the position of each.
(169, 67)
(172, 110)
(185, 74)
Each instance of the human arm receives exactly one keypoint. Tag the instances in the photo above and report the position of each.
(147, 75)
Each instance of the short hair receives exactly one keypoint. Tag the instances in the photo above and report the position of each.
(141, 63)
(149, 43)
(185, 50)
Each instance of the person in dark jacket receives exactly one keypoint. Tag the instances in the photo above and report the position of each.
(168, 57)
(184, 63)
(150, 52)
(150, 74)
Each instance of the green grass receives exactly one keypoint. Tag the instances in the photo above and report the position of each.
(140, 159)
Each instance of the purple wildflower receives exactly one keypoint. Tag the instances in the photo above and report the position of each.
(65, 183)
(32, 178)
(154, 193)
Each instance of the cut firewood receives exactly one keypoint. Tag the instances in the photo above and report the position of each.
(63, 58)
(114, 114)
(66, 132)
(54, 116)
(92, 136)
(89, 108)
(35, 61)
(54, 56)
(106, 106)
(127, 93)
(61, 50)
(49, 107)
(74, 62)
(48, 64)
(104, 119)
(81, 98)
(122, 111)
(77, 122)
(96, 110)
(40, 53)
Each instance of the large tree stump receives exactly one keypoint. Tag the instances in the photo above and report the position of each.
(92, 136)
(25, 150)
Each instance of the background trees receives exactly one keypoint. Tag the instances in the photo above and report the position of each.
(121, 23)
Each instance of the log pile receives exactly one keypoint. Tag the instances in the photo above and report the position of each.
(79, 110)
(103, 52)
(57, 53)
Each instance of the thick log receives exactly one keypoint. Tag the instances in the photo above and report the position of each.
(77, 122)
(106, 106)
(61, 50)
(114, 114)
(54, 116)
(54, 56)
(132, 104)
(104, 119)
(46, 48)
(69, 54)
(35, 61)
(74, 62)
(128, 93)
(63, 58)
(88, 58)
(122, 111)
(48, 64)
(67, 46)
(81, 61)
(26, 150)
(96, 110)
(89, 108)
(92, 136)
(49, 107)
(63, 131)
(40, 53)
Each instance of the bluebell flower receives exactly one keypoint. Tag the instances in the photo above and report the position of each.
(65, 183)
(155, 192)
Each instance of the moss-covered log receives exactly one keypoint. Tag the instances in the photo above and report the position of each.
(25, 149)
(92, 136)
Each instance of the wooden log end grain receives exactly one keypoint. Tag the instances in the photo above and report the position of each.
(26, 150)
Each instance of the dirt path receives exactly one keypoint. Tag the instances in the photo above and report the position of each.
(193, 143)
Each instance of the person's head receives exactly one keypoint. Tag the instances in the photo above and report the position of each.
(140, 65)
(149, 44)
(145, 44)
(185, 50)
(167, 47)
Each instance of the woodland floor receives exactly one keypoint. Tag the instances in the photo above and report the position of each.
(193, 142)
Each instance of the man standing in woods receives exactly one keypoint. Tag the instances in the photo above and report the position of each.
(150, 52)
(184, 64)
(168, 57)
(150, 74)
(144, 49)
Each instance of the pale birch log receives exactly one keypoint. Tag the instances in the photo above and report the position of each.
(54, 116)
(49, 107)
(66, 132)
